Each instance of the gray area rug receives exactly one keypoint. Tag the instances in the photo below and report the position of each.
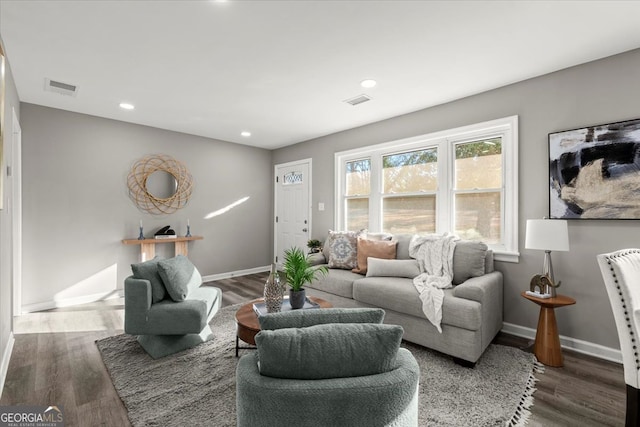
(197, 387)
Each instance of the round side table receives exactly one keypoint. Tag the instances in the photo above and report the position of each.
(248, 326)
(547, 346)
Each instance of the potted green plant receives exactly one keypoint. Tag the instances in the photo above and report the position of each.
(314, 246)
(298, 271)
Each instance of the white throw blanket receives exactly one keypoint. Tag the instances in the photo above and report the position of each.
(434, 253)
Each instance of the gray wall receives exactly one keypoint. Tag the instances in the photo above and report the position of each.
(11, 103)
(76, 207)
(595, 93)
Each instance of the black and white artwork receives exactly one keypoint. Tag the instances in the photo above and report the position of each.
(594, 172)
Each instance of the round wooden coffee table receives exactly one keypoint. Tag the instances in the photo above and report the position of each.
(247, 325)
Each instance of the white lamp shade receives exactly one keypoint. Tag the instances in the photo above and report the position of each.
(547, 235)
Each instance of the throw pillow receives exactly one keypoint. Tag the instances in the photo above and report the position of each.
(384, 249)
(179, 276)
(329, 351)
(305, 318)
(408, 268)
(148, 270)
(343, 249)
(468, 260)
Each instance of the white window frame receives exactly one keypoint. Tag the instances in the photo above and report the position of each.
(505, 128)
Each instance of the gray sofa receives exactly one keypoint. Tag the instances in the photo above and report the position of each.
(471, 313)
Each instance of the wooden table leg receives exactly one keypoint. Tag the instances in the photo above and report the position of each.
(547, 347)
(181, 248)
(148, 251)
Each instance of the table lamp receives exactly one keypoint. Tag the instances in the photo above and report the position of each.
(547, 235)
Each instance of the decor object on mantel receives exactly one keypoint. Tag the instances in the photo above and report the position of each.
(547, 235)
(273, 291)
(165, 233)
(162, 392)
(298, 271)
(173, 172)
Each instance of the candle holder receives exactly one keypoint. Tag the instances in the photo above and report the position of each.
(141, 235)
(188, 231)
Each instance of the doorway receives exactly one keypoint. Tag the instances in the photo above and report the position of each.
(292, 207)
(15, 177)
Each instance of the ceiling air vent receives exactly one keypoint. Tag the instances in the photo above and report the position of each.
(59, 87)
(358, 100)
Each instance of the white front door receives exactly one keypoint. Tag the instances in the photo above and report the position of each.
(292, 207)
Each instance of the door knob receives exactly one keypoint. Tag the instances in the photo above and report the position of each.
(304, 230)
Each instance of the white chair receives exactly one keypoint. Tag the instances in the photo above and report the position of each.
(621, 273)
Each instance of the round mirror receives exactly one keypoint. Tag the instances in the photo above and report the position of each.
(161, 184)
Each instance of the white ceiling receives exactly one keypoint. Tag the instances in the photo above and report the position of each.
(282, 69)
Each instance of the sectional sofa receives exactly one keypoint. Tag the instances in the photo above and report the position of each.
(471, 312)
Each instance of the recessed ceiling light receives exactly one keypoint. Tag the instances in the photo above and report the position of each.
(126, 106)
(368, 83)
(245, 133)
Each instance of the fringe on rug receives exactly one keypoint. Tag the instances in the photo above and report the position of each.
(522, 414)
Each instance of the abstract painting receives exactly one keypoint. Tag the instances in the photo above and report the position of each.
(594, 172)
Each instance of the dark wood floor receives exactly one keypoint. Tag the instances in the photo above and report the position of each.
(55, 362)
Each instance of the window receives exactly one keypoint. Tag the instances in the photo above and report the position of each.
(409, 191)
(478, 190)
(463, 180)
(358, 187)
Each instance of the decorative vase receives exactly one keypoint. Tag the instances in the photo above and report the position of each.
(273, 291)
(297, 298)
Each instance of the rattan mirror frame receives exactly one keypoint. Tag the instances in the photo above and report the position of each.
(145, 200)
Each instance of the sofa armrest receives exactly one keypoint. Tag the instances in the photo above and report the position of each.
(488, 291)
(317, 259)
(481, 289)
(137, 302)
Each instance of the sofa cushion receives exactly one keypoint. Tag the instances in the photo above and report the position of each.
(148, 270)
(402, 249)
(343, 249)
(179, 276)
(468, 260)
(305, 318)
(337, 282)
(328, 351)
(176, 318)
(408, 268)
(488, 262)
(383, 249)
(400, 295)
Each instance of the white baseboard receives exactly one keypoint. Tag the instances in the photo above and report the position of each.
(67, 302)
(580, 346)
(4, 363)
(220, 276)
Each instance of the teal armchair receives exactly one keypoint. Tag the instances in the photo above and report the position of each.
(166, 326)
(327, 374)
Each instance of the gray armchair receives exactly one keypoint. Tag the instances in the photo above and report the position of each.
(327, 373)
(166, 326)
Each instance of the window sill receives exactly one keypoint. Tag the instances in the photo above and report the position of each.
(505, 256)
